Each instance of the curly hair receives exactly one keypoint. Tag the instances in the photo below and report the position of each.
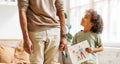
(97, 21)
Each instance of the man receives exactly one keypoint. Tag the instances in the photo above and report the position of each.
(43, 28)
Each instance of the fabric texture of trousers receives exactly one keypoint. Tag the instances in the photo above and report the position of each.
(45, 46)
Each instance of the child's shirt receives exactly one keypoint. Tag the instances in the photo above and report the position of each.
(93, 39)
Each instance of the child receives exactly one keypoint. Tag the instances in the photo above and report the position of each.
(93, 26)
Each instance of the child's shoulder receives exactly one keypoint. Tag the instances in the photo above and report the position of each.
(95, 34)
(79, 32)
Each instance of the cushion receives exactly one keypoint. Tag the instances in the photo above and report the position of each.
(13, 55)
(6, 54)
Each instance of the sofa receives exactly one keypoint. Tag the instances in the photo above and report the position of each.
(13, 55)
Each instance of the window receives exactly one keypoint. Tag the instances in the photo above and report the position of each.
(108, 9)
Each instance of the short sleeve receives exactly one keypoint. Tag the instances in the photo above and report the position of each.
(99, 42)
(59, 5)
(23, 4)
(74, 39)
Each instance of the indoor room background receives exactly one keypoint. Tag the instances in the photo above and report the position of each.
(109, 10)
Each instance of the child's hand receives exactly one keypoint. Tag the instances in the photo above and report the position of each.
(89, 50)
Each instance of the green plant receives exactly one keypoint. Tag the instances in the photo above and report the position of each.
(69, 37)
(68, 27)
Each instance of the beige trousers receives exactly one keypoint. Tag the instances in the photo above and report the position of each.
(45, 46)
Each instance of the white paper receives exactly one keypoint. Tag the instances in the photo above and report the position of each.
(77, 52)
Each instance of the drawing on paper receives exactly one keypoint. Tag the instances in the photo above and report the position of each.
(77, 52)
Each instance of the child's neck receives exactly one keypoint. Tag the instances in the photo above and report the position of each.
(86, 30)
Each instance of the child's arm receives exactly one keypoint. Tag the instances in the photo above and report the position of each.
(90, 50)
(99, 49)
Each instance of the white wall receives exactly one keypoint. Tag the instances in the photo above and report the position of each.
(9, 22)
(110, 55)
(66, 5)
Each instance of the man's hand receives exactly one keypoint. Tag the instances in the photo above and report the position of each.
(28, 47)
(63, 45)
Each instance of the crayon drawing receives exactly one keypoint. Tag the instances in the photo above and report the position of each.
(77, 52)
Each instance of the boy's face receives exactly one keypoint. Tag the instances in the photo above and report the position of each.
(86, 20)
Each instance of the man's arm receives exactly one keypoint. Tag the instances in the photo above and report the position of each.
(63, 45)
(23, 23)
(62, 23)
